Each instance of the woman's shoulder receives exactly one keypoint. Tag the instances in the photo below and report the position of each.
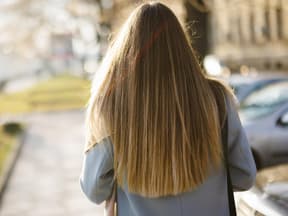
(103, 146)
(221, 86)
(224, 96)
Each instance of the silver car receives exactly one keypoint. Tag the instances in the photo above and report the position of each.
(264, 115)
(269, 196)
(245, 85)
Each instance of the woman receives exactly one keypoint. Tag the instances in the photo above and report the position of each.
(154, 125)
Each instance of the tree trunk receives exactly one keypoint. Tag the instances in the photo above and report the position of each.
(198, 24)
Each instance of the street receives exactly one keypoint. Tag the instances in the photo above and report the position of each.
(45, 179)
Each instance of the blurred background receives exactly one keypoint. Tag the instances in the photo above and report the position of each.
(50, 50)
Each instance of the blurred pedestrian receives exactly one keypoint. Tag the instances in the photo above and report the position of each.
(154, 125)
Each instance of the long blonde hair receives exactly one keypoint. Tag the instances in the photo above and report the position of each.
(161, 113)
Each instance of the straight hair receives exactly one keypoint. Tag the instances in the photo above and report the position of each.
(161, 112)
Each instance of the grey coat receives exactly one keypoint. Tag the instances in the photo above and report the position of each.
(210, 198)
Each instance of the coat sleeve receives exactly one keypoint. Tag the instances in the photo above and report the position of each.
(241, 161)
(96, 178)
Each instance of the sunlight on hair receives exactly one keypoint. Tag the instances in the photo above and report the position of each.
(162, 113)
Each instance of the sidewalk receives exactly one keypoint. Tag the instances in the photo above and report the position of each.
(45, 179)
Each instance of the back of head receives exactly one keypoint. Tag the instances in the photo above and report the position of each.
(152, 98)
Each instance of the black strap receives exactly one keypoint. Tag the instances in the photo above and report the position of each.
(224, 133)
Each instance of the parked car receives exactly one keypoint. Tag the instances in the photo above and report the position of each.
(269, 196)
(264, 115)
(245, 85)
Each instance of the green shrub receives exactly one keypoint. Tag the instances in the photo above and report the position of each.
(12, 128)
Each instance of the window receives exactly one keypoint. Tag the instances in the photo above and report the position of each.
(265, 101)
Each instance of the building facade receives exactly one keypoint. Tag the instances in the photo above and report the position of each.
(250, 32)
(253, 33)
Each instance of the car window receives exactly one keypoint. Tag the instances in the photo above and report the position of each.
(269, 95)
(265, 100)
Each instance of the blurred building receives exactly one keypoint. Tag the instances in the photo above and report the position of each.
(253, 33)
(250, 32)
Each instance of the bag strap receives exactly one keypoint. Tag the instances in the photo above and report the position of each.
(111, 204)
(224, 134)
